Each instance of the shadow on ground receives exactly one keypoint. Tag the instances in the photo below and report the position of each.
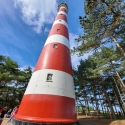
(86, 120)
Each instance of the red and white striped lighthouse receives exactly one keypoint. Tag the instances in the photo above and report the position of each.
(49, 97)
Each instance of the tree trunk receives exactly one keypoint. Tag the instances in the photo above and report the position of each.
(96, 101)
(118, 99)
(118, 46)
(101, 104)
(110, 105)
(88, 106)
(81, 105)
(123, 85)
(120, 80)
(118, 89)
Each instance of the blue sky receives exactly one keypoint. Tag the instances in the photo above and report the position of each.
(25, 24)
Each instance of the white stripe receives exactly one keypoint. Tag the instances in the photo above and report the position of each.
(62, 83)
(59, 39)
(62, 12)
(63, 7)
(60, 21)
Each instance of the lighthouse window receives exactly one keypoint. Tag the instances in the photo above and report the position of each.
(60, 20)
(49, 77)
(55, 46)
(58, 30)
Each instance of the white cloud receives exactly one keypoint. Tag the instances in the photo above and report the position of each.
(46, 30)
(74, 58)
(36, 13)
(6, 8)
(72, 38)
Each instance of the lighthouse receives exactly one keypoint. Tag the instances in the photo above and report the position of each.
(49, 97)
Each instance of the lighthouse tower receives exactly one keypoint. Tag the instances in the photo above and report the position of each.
(49, 97)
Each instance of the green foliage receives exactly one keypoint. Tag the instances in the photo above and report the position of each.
(103, 23)
(13, 81)
(103, 72)
(96, 71)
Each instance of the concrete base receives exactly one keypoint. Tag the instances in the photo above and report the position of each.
(17, 122)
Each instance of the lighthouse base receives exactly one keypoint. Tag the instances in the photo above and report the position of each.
(17, 122)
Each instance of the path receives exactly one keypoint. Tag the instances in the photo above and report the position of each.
(4, 122)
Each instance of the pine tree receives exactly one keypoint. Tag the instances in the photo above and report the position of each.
(103, 23)
(13, 81)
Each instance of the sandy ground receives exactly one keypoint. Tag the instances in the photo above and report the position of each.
(4, 122)
(87, 120)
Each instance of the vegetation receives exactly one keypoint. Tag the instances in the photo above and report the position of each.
(13, 82)
(100, 80)
(103, 23)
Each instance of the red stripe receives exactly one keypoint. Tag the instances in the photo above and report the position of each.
(63, 17)
(59, 29)
(47, 108)
(58, 59)
(62, 9)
